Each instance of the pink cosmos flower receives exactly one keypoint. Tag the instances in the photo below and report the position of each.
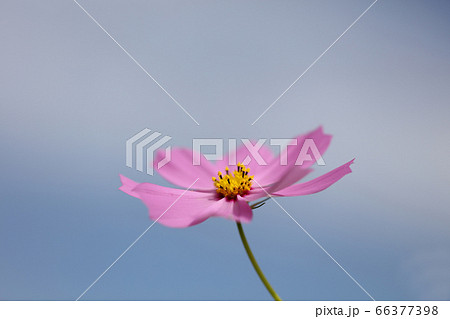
(218, 194)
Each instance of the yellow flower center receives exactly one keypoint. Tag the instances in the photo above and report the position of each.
(231, 185)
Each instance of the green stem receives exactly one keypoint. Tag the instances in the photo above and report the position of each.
(255, 264)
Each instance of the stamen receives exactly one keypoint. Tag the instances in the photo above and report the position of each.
(233, 184)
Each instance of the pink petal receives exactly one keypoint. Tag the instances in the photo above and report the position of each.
(237, 210)
(293, 176)
(128, 185)
(276, 171)
(256, 193)
(180, 208)
(321, 140)
(318, 184)
(175, 207)
(181, 171)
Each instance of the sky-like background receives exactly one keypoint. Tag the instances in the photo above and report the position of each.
(70, 98)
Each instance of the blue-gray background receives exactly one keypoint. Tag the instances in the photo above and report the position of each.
(70, 98)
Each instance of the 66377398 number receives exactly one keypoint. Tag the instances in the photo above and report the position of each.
(407, 310)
